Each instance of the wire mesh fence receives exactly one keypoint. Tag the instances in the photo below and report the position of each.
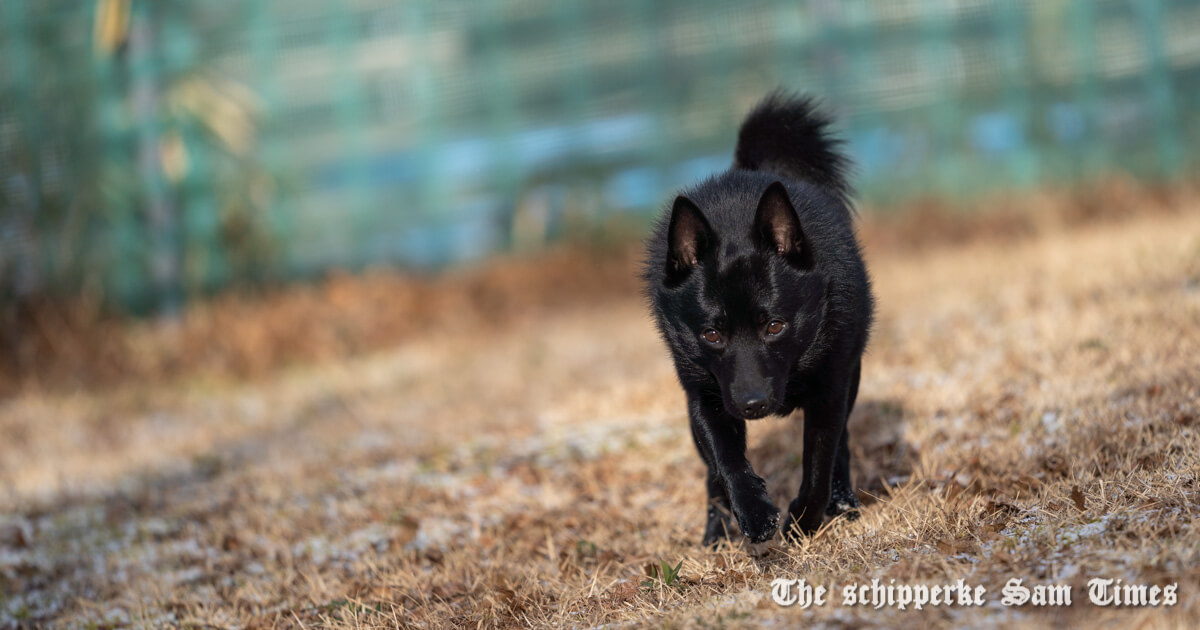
(151, 151)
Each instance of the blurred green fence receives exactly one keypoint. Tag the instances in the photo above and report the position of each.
(150, 151)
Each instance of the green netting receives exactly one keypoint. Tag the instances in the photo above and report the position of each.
(155, 150)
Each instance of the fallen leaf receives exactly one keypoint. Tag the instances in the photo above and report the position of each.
(1078, 498)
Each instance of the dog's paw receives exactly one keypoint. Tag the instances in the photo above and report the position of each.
(802, 520)
(718, 527)
(844, 504)
(757, 517)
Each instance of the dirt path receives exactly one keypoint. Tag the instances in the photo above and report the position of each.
(1026, 410)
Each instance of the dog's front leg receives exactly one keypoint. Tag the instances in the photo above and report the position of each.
(718, 525)
(843, 501)
(824, 426)
(721, 439)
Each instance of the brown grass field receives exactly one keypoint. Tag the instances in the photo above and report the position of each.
(1028, 409)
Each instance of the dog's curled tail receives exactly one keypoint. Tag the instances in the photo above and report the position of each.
(787, 134)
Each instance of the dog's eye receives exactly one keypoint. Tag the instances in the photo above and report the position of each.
(775, 327)
(711, 336)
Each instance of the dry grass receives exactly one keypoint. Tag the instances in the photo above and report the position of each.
(1028, 409)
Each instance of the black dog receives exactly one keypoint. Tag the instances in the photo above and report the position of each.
(759, 289)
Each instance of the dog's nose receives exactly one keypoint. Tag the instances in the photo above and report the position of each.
(754, 406)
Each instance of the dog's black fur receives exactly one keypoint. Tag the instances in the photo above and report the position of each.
(758, 287)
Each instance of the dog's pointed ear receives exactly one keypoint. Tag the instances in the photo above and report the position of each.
(688, 237)
(776, 225)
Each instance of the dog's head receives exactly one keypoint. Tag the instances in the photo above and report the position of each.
(743, 301)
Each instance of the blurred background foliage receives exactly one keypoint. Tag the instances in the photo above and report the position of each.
(155, 151)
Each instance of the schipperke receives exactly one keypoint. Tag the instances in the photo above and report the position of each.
(758, 287)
